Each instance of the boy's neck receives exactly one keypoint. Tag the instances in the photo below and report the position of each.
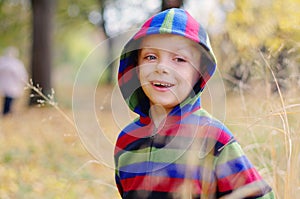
(158, 114)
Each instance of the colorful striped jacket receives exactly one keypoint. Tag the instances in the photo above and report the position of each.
(191, 155)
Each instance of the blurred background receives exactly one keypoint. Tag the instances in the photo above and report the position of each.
(41, 155)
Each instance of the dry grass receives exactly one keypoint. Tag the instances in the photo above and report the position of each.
(268, 126)
(41, 155)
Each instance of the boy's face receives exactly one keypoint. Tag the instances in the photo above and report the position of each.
(168, 68)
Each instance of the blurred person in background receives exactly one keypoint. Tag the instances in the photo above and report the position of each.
(13, 77)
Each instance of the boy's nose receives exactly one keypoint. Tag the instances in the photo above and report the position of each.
(162, 66)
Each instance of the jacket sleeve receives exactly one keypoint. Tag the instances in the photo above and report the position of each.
(118, 183)
(236, 176)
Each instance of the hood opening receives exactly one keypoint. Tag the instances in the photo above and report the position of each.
(172, 21)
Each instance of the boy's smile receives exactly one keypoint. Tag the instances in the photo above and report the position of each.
(168, 68)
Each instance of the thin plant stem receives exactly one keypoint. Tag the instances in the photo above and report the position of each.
(50, 101)
(285, 122)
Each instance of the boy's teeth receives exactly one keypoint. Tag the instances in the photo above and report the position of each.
(162, 84)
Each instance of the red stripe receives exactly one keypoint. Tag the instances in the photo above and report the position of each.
(145, 120)
(174, 130)
(157, 183)
(203, 83)
(143, 30)
(237, 180)
(192, 28)
(215, 133)
(126, 75)
(123, 142)
(193, 131)
(133, 136)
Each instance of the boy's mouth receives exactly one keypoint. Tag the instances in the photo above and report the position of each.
(162, 84)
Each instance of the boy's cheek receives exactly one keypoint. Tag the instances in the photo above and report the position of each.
(142, 70)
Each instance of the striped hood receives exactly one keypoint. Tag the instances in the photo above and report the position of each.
(172, 21)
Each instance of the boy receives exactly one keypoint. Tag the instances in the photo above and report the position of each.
(175, 149)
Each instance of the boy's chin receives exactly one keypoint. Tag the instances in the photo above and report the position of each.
(164, 105)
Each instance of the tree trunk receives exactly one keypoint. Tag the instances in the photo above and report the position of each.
(166, 4)
(41, 58)
(110, 49)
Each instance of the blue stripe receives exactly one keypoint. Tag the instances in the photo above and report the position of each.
(196, 120)
(179, 21)
(211, 69)
(203, 36)
(178, 111)
(156, 23)
(164, 170)
(234, 166)
(130, 128)
(132, 170)
(123, 64)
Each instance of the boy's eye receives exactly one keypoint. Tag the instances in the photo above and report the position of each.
(179, 59)
(150, 57)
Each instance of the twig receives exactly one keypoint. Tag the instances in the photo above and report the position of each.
(50, 100)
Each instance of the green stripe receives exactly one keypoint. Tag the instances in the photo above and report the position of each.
(230, 152)
(133, 100)
(179, 157)
(166, 156)
(132, 157)
(202, 113)
(166, 26)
